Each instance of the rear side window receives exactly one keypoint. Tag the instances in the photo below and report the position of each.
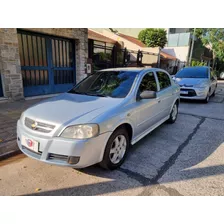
(164, 80)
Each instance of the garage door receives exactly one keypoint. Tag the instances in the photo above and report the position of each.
(47, 63)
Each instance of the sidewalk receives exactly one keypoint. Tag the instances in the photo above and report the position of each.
(9, 114)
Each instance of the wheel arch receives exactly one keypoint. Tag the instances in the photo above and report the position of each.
(128, 127)
(177, 100)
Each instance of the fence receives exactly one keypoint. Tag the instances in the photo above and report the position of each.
(112, 57)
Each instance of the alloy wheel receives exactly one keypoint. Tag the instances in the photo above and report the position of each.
(118, 149)
(174, 112)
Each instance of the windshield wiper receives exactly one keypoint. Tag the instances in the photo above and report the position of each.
(76, 92)
(96, 94)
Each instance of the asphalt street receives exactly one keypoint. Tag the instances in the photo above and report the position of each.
(185, 158)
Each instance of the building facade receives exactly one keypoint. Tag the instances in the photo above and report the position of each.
(178, 43)
(40, 61)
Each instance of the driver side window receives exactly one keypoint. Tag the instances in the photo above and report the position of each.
(148, 83)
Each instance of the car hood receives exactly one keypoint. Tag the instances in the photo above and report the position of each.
(189, 82)
(71, 108)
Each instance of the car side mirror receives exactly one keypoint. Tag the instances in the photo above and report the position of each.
(148, 95)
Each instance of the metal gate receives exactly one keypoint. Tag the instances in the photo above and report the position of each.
(1, 91)
(47, 63)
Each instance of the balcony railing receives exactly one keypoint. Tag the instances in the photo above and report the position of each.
(178, 40)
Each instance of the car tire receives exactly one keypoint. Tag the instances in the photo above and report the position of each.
(173, 114)
(206, 100)
(213, 94)
(112, 151)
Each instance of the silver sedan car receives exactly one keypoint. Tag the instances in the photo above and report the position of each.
(98, 119)
(198, 83)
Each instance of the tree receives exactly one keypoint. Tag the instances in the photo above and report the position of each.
(214, 38)
(152, 37)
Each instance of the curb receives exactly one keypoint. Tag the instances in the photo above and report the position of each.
(8, 149)
(9, 154)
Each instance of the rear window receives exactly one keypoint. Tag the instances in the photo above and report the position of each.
(193, 73)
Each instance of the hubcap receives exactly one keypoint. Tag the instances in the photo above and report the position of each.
(118, 149)
(174, 112)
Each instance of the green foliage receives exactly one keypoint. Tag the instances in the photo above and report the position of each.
(105, 56)
(152, 37)
(213, 37)
(197, 63)
(120, 57)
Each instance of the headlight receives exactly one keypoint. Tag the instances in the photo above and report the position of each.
(201, 85)
(81, 131)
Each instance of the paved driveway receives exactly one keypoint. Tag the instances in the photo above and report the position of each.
(186, 158)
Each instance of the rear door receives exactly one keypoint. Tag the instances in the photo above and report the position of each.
(165, 95)
(146, 109)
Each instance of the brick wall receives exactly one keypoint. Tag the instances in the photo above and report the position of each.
(10, 64)
(10, 61)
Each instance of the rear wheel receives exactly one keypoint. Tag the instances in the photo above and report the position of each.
(116, 149)
(206, 100)
(173, 114)
(213, 94)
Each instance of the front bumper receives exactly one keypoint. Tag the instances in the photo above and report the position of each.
(59, 151)
(194, 93)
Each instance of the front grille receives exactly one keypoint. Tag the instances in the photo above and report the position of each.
(186, 85)
(57, 157)
(191, 92)
(38, 126)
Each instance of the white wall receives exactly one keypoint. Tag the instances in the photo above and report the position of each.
(128, 31)
(131, 46)
(180, 53)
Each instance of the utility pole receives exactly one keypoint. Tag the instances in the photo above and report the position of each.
(192, 46)
(158, 60)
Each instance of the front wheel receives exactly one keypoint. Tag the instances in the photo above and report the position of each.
(116, 149)
(173, 114)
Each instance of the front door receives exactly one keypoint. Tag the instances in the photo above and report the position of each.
(146, 109)
(47, 63)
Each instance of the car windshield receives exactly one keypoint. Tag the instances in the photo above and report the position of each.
(201, 73)
(116, 84)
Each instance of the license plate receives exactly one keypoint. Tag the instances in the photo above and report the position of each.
(30, 143)
(184, 92)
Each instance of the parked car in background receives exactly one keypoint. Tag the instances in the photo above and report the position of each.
(221, 75)
(98, 119)
(197, 83)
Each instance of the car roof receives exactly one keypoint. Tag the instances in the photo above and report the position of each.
(137, 69)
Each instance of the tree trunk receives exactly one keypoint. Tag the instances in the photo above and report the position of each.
(213, 60)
